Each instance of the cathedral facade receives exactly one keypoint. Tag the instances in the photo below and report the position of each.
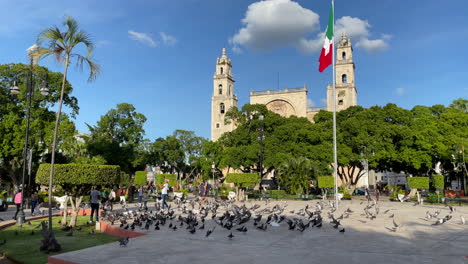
(285, 102)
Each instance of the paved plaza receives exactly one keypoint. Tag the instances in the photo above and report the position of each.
(364, 240)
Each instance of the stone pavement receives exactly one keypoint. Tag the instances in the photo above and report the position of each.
(417, 242)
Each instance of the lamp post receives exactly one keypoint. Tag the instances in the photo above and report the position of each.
(32, 53)
(213, 173)
(261, 138)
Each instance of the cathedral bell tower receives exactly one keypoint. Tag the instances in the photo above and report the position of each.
(346, 92)
(223, 97)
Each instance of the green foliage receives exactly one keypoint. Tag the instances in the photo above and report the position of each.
(224, 190)
(79, 174)
(277, 194)
(438, 182)
(125, 179)
(140, 178)
(395, 190)
(118, 131)
(418, 182)
(242, 180)
(326, 181)
(185, 191)
(171, 177)
(295, 175)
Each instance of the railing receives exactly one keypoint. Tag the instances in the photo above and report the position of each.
(287, 90)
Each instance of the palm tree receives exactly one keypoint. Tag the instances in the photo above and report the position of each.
(61, 44)
(295, 174)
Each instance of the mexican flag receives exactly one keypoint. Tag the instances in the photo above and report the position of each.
(326, 57)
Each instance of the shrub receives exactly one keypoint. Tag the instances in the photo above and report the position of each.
(224, 190)
(243, 180)
(140, 178)
(171, 177)
(438, 181)
(326, 182)
(79, 174)
(418, 182)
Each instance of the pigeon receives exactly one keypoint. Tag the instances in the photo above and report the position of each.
(192, 231)
(451, 209)
(202, 227)
(342, 230)
(230, 235)
(392, 215)
(208, 233)
(386, 211)
(462, 219)
(1, 219)
(123, 242)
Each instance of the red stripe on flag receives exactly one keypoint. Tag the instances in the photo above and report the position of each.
(326, 60)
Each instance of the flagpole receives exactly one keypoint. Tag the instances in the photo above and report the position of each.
(335, 158)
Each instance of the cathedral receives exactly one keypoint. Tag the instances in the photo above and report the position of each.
(285, 102)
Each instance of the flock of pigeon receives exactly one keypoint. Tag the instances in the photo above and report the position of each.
(225, 215)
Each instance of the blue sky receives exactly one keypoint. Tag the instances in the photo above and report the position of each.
(160, 55)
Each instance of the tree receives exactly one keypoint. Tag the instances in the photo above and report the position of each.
(12, 119)
(77, 180)
(120, 131)
(61, 45)
(295, 174)
(461, 104)
(167, 153)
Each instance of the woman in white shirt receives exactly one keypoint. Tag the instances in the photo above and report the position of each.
(164, 191)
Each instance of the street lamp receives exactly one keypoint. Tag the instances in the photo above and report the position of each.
(213, 173)
(32, 53)
(261, 138)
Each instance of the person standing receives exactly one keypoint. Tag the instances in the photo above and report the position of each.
(377, 194)
(18, 202)
(112, 199)
(95, 197)
(145, 195)
(366, 192)
(140, 196)
(164, 192)
(34, 198)
(121, 194)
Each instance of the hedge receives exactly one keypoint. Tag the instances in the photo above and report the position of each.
(79, 174)
(140, 178)
(438, 181)
(159, 179)
(243, 179)
(418, 182)
(326, 182)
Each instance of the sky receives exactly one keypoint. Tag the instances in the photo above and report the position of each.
(160, 55)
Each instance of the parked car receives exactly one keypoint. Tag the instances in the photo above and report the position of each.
(359, 192)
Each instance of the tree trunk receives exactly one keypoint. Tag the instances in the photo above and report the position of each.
(65, 211)
(76, 210)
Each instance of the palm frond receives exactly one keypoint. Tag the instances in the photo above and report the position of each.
(85, 38)
(72, 26)
(94, 68)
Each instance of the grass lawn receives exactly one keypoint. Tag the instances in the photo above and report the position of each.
(22, 243)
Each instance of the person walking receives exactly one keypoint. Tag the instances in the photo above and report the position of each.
(95, 197)
(164, 191)
(140, 196)
(18, 202)
(34, 198)
(121, 194)
(145, 196)
(366, 192)
(377, 194)
(112, 197)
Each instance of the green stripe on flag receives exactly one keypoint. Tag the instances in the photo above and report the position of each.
(330, 24)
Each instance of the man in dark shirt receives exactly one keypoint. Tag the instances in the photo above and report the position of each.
(95, 197)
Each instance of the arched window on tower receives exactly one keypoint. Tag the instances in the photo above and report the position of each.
(217, 125)
(344, 78)
(221, 108)
(221, 70)
(343, 55)
(220, 89)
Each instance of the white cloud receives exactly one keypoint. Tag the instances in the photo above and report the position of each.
(310, 103)
(142, 38)
(274, 23)
(323, 101)
(168, 40)
(277, 23)
(400, 91)
(237, 50)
